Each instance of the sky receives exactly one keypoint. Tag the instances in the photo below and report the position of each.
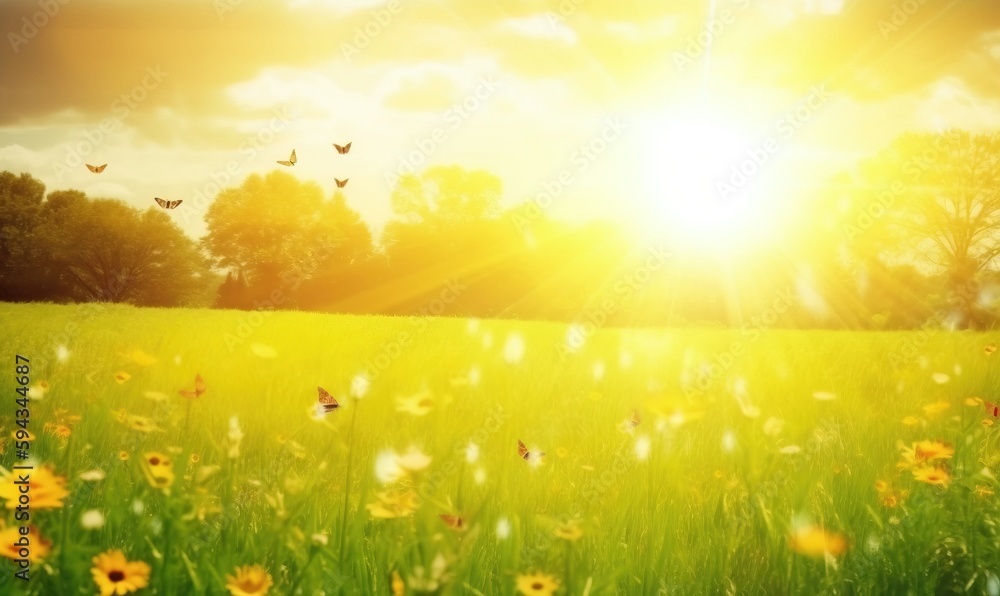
(633, 109)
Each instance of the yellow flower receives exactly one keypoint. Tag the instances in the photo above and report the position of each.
(932, 475)
(418, 404)
(911, 421)
(889, 496)
(569, 531)
(389, 506)
(114, 574)
(973, 401)
(398, 587)
(123, 455)
(158, 469)
(139, 357)
(47, 490)
(249, 580)
(537, 585)
(987, 422)
(813, 541)
(929, 450)
(194, 458)
(141, 424)
(8, 536)
(982, 491)
(121, 377)
(936, 408)
(562, 452)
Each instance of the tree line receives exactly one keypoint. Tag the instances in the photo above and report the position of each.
(908, 237)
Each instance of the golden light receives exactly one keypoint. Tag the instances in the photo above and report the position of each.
(689, 156)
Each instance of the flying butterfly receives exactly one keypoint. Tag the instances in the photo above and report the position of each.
(199, 388)
(96, 169)
(291, 160)
(632, 422)
(453, 521)
(341, 183)
(327, 403)
(524, 453)
(342, 149)
(167, 204)
(992, 408)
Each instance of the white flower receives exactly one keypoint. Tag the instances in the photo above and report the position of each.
(642, 447)
(479, 476)
(92, 519)
(138, 507)
(413, 460)
(503, 528)
(62, 354)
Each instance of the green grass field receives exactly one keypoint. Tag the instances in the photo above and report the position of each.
(702, 497)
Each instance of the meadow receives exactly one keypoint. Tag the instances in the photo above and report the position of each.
(806, 462)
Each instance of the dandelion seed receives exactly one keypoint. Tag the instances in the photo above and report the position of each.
(642, 448)
(92, 475)
(773, 426)
(598, 370)
(62, 354)
(472, 453)
(728, 441)
(359, 386)
(503, 528)
(92, 519)
(513, 350)
(387, 468)
(940, 378)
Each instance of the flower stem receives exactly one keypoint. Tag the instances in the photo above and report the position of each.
(347, 481)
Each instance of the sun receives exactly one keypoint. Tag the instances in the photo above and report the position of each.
(688, 195)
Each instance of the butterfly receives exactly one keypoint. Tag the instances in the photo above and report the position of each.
(453, 521)
(342, 149)
(990, 348)
(291, 160)
(630, 423)
(327, 403)
(524, 453)
(199, 388)
(341, 183)
(96, 169)
(167, 204)
(992, 408)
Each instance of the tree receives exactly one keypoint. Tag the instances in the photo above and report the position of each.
(939, 195)
(20, 203)
(104, 250)
(277, 232)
